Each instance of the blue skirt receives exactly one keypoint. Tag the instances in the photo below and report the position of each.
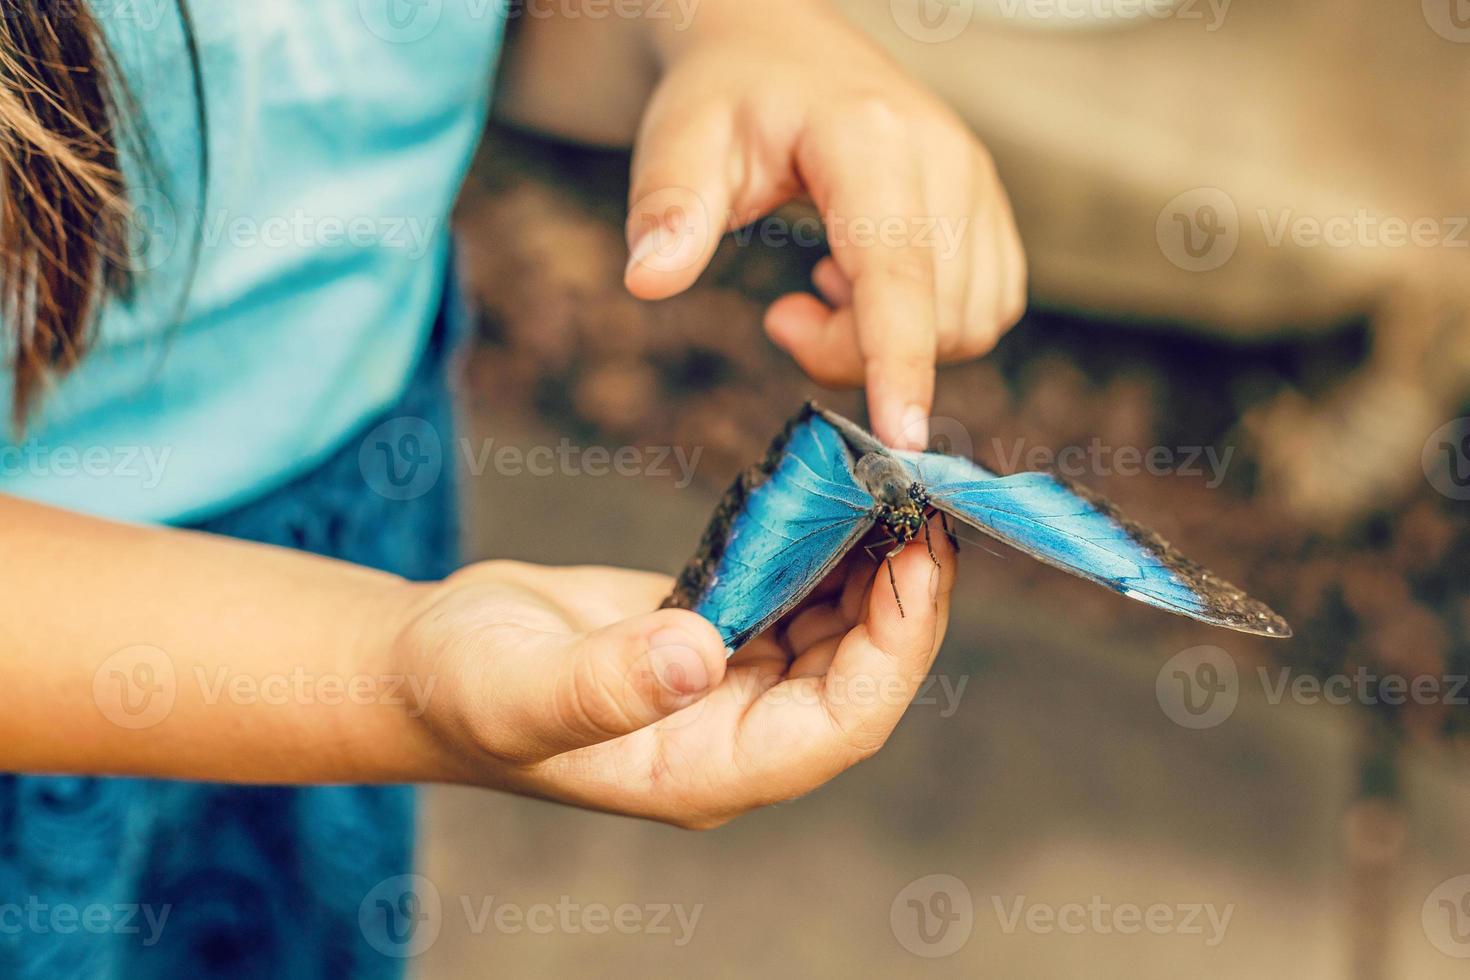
(105, 877)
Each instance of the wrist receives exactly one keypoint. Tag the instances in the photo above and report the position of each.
(404, 744)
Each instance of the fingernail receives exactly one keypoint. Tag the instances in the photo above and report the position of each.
(934, 581)
(677, 664)
(641, 251)
(915, 428)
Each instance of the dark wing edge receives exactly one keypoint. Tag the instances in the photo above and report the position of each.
(1225, 604)
(691, 583)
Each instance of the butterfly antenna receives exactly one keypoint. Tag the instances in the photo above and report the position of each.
(982, 545)
(955, 538)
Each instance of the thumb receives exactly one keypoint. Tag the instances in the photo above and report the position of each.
(679, 204)
(592, 687)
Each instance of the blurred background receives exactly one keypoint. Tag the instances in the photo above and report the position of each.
(1248, 327)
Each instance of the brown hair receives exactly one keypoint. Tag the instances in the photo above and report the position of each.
(67, 119)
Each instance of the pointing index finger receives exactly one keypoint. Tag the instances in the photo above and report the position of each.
(876, 206)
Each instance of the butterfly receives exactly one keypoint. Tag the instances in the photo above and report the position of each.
(825, 483)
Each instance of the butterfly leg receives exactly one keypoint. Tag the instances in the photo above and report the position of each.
(893, 581)
(929, 543)
(870, 549)
(954, 539)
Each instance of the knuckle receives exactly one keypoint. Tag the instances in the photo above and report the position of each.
(878, 114)
(589, 705)
(984, 163)
(830, 371)
(911, 266)
(1013, 302)
(865, 745)
(971, 344)
(1013, 310)
(861, 739)
(902, 360)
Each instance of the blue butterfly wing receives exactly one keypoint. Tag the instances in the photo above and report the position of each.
(780, 529)
(1064, 525)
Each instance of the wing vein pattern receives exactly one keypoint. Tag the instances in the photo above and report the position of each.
(781, 528)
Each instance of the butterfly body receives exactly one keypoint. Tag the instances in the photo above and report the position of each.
(826, 483)
(900, 505)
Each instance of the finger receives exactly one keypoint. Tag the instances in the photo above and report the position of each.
(764, 649)
(822, 341)
(890, 653)
(558, 692)
(1012, 292)
(801, 732)
(996, 295)
(872, 193)
(689, 186)
(678, 199)
(811, 628)
(835, 287)
(589, 596)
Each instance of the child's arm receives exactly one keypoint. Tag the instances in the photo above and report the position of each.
(742, 105)
(156, 652)
(166, 653)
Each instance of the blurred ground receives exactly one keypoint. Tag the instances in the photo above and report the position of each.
(1049, 770)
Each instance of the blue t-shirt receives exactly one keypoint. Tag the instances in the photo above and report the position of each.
(339, 132)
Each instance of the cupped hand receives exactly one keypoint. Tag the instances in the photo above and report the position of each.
(767, 102)
(560, 683)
